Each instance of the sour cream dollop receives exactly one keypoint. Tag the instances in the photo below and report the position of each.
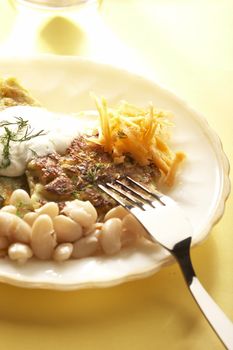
(58, 132)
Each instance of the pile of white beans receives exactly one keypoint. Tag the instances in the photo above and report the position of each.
(46, 233)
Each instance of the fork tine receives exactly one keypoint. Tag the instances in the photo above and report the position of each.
(126, 195)
(137, 194)
(118, 199)
(153, 194)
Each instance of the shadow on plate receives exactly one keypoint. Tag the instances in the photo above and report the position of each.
(165, 293)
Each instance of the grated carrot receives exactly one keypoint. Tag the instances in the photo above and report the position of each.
(142, 133)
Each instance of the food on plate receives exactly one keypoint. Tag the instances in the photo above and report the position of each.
(13, 94)
(139, 132)
(50, 168)
(77, 173)
(8, 185)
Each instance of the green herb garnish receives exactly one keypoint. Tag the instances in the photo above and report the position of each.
(34, 153)
(94, 172)
(22, 133)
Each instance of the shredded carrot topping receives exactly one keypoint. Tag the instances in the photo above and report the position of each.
(142, 133)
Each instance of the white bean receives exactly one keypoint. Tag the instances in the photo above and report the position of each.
(14, 228)
(9, 209)
(43, 238)
(20, 198)
(50, 208)
(110, 236)
(82, 212)
(116, 212)
(93, 228)
(86, 246)
(67, 230)
(30, 217)
(90, 209)
(81, 216)
(131, 230)
(20, 252)
(63, 252)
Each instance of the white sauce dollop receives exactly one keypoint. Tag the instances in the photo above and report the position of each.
(59, 131)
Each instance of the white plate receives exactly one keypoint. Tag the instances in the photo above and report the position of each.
(63, 84)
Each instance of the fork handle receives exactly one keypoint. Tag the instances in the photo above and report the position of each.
(220, 323)
(222, 326)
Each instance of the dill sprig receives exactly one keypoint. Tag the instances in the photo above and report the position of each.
(23, 133)
(94, 172)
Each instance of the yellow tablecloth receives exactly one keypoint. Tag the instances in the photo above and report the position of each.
(187, 46)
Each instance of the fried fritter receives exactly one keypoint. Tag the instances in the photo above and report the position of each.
(8, 185)
(13, 94)
(77, 174)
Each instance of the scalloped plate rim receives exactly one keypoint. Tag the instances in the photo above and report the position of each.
(211, 134)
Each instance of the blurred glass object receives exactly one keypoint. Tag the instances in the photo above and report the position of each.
(58, 4)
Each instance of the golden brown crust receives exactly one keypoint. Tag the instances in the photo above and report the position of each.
(8, 185)
(77, 173)
(13, 94)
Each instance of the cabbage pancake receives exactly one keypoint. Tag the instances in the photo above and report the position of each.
(77, 173)
(13, 94)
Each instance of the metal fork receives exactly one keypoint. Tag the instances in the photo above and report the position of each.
(167, 225)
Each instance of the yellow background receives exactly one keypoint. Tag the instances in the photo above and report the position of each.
(188, 47)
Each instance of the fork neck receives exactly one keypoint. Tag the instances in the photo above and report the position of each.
(181, 252)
